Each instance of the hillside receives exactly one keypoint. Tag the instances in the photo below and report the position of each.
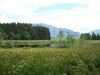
(54, 30)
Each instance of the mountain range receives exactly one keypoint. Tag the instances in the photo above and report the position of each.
(97, 31)
(54, 31)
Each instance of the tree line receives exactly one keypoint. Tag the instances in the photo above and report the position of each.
(88, 36)
(23, 31)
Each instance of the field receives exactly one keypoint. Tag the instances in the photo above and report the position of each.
(80, 60)
(55, 39)
(36, 43)
(31, 43)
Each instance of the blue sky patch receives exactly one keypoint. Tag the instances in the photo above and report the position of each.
(65, 6)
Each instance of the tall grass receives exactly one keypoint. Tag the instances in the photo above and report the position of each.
(82, 60)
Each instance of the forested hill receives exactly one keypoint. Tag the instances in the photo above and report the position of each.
(23, 31)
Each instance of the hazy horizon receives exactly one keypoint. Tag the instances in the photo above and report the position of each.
(77, 15)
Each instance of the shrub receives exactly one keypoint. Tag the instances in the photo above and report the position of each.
(1, 43)
(8, 44)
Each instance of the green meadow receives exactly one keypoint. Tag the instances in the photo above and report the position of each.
(80, 60)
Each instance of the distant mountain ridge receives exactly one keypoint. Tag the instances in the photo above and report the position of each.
(97, 31)
(54, 30)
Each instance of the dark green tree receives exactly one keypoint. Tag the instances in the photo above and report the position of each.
(18, 37)
(94, 36)
(98, 37)
(61, 35)
(1, 39)
(17, 31)
(85, 36)
(11, 36)
(70, 40)
(25, 36)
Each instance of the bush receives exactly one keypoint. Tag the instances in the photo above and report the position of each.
(70, 41)
(8, 44)
(1, 43)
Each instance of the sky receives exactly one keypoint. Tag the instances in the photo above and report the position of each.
(77, 15)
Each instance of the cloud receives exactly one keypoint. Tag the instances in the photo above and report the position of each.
(77, 19)
(4, 18)
(54, 12)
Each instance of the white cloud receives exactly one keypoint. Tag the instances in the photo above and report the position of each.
(11, 4)
(78, 19)
(4, 18)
